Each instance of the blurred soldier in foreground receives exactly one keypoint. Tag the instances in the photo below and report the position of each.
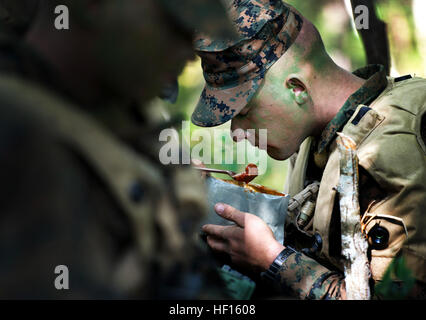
(280, 77)
(16, 16)
(81, 185)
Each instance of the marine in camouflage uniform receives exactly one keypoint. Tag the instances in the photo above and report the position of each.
(81, 181)
(385, 117)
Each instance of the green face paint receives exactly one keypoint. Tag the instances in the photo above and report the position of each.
(277, 108)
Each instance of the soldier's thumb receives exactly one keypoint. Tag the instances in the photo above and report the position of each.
(230, 213)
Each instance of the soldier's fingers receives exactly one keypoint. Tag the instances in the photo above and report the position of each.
(214, 230)
(230, 213)
(217, 244)
(227, 233)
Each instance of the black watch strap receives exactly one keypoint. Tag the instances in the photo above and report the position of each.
(274, 268)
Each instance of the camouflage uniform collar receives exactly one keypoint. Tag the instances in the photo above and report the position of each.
(376, 82)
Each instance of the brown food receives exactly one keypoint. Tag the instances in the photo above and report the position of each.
(247, 176)
(255, 188)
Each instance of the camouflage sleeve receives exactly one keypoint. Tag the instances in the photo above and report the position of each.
(304, 278)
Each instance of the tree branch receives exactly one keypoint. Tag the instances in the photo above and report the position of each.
(375, 38)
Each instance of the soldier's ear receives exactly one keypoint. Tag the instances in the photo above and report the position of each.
(298, 89)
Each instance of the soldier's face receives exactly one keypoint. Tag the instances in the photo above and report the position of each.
(275, 108)
(138, 47)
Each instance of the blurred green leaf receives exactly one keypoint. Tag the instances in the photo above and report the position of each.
(397, 281)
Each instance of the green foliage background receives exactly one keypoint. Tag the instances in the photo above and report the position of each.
(407, 36)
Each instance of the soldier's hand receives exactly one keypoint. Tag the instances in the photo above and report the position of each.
(249, 243)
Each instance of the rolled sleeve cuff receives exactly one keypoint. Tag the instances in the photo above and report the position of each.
(305, 278)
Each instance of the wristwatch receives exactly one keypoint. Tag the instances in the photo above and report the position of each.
(274, 268)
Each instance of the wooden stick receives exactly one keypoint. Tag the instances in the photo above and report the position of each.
(354, 243)
(375, 38)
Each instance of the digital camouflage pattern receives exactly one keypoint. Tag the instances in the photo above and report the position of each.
(235, 68)
(304, 278)
(82, 185)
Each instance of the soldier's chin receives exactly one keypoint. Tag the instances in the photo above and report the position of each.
(276, 153)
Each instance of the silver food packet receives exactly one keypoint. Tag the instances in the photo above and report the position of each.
(270, 206)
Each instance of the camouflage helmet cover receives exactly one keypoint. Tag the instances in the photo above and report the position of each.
(235, 67)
